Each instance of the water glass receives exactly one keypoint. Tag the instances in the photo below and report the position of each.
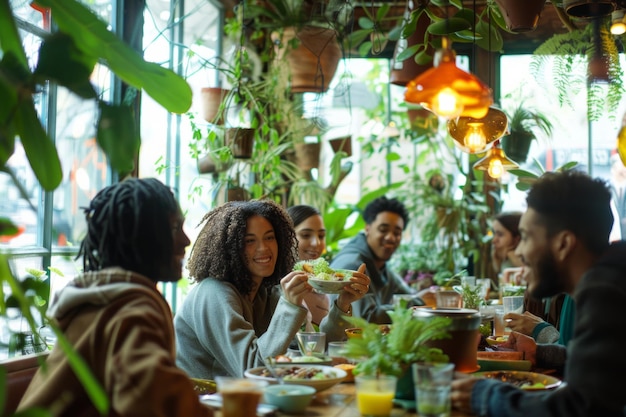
(499, 329)
(240, 396)
(311, 343)
(374, 394)
(336, 349)
(432, 388)
(448, 299)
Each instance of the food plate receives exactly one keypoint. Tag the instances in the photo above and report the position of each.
(333, 283)
(529, 381)
(493, 340)
(308, 360)
(325, 376)
(204, 386)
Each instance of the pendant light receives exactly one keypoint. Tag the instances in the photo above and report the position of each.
(495, 162)
(448, 91)
(476, 135)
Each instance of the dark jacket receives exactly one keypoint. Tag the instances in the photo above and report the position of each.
(384, 283)
(596, 364)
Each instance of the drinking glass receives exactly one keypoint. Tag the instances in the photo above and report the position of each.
(311, 343)
(240, 396)
(336, 349)
(448, 299)
(374, 394)
(432, 388)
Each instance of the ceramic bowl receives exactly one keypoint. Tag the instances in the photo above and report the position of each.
(326, 376)
(333, 285)
(289, 398)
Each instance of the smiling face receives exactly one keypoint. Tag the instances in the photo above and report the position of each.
(503, 240)
(260, 247)
(545, 278)
(384, 235)
(173, 271)
(311, 235)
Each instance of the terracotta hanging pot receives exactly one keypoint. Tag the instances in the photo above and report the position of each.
(404, 71)
(521, 16)
(212, 98)
(314, 62)
(307, 155)
(342, 144)
(240, 141)
(208, 165)
(227, 191)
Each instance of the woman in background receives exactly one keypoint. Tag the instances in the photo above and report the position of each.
(506, 236)
(237, 314)
(311, 236)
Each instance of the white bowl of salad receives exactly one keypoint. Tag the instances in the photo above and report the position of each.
(323, 278)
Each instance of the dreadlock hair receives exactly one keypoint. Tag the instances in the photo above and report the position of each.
(572, 200)
(301, 212)
(381, 204)
(218, 252)
(128, 225)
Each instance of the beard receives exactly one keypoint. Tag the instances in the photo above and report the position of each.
(547, 280)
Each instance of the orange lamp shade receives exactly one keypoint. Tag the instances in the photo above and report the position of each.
(473, 135)
(495, 163)
(448, 91)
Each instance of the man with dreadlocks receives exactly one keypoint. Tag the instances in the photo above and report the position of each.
(237, 314)
(113, 314)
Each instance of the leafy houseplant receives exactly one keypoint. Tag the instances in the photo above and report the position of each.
(393, 352)
(523, 123)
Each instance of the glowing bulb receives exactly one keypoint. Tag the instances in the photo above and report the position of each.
(447, 104)
(475, 139)
(618, 28)
(495, 169)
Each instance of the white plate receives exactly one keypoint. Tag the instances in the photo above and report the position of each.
(215, 401)
(331, 286)
(332, 375)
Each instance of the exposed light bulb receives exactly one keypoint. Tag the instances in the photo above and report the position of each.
(618, 28)
(495, 169)
(475, 139)
(447, 104)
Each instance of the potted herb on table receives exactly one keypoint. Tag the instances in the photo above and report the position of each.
(391, 350)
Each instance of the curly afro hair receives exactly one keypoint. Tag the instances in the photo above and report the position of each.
(218, 252)
(381, 204)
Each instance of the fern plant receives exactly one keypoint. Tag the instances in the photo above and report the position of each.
(382, 352)
(565, 55)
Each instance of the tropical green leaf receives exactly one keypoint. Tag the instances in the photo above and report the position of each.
(61, 61)
(40, 150)
(92, 36)
(10, 41)
(447, 26)
(118, 137)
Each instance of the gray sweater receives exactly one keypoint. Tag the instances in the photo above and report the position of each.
(220, 332)
(384, 283)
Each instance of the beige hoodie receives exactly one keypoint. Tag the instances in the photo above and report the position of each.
(122, 327)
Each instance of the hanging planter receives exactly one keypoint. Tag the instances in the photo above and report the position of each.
(516, 146)
(521, 16)
(208, 165)
(227, 191)
(212, 98)
(343, 144)
(314, 61)
(240, 141)
(307, 155)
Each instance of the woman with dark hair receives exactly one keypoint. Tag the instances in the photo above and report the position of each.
(237, 314)
(311, 235)
(113, 315)
(506, 236)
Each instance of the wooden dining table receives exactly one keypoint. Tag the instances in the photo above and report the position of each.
(340, 401)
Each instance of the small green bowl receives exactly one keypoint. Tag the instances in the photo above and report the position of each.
(289, 398)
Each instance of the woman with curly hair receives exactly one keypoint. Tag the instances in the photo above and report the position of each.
(237, 314)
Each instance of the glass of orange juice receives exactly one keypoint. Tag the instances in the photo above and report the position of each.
(374, 394)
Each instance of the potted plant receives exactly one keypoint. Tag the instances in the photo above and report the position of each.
(523, 123)
(391, 350)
